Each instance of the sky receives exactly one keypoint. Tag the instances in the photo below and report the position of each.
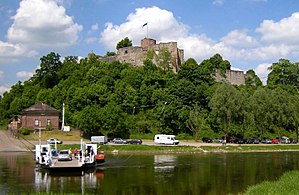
(250, 34)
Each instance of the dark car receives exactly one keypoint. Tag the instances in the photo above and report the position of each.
(256, 140)
(249, 140)
(135, 141)
(239, 141)
(206, 140)
(119, 141)
(293, 141)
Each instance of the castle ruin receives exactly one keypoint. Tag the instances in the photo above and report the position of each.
(135, 55)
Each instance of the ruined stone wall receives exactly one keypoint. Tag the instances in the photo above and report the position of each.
(136, 55)
(233, 77)
(132, 55)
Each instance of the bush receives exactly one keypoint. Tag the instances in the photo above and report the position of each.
(25, 131)
(184, 136)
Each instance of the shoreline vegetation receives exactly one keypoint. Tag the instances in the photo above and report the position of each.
(185, 146)
(286, 184)
(169, 149)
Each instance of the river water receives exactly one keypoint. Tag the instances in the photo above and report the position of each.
(212, 173)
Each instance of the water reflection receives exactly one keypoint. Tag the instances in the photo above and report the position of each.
(218, 173)
(46, 182)
(164, 163)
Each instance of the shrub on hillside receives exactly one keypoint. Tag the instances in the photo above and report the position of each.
(25, 131)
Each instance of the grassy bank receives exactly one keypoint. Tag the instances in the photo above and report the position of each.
(57, 134)
(287, 184)
(188, 149)
(75, 136)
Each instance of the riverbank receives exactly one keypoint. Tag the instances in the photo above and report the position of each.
(287, 184)
(199, 148)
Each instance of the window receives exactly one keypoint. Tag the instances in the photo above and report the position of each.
(36, 122)
(48, 122)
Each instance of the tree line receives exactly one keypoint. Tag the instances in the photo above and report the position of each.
(116, 99)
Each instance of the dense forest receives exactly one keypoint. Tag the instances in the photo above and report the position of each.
(117, 99)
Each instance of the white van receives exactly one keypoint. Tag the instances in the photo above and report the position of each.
(285, 140)
(165, 139)
(99, 139)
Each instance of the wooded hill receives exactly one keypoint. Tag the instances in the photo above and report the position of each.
(117, 99)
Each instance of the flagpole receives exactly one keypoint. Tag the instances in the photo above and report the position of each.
(147, 31)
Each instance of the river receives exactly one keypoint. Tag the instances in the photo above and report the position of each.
(211, 173)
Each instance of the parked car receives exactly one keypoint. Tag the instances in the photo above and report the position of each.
(239, 141)
(249, 140)
(135, 141)
(293, 141)
(266, 140)
(274, 141)
(119, 141)
(218, 140)
(256, 140)
(285, 140)
(53, 140)
(206, 140)
(64, 155)
(229, 139)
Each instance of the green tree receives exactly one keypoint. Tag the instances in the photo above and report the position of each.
(252, 79)
(261, 104)
(126, 42)
(283, 72)
(47, 74)
(226, 105)
(110, 53)
(163, 60)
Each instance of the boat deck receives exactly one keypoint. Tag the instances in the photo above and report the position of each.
(74, 163)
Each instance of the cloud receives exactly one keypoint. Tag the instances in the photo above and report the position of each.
(91, 40)
(3, 89)
(239, 38)
(9, 51)
(42, 24)
(24, 75)
(1, 75)
(218, 2)
(254, 47)
(285, 31)
(262, 71)
(95, 27)
(161, 24)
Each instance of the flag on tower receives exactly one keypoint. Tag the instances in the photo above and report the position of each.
(144, 24)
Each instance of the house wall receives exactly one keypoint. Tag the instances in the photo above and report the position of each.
(28, 121)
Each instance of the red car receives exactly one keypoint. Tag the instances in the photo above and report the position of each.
(275, 141)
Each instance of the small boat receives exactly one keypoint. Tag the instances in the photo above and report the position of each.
(87, 157)
(100, 157)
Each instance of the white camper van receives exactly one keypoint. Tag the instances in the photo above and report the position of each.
(99, 139)
(165, 139)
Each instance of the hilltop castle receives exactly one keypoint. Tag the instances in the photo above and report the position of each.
(135, 55)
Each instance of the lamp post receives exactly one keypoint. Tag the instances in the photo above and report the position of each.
(39, 132)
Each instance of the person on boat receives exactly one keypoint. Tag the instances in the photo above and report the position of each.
(76, 153)
(70, 151)
(91, 151)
